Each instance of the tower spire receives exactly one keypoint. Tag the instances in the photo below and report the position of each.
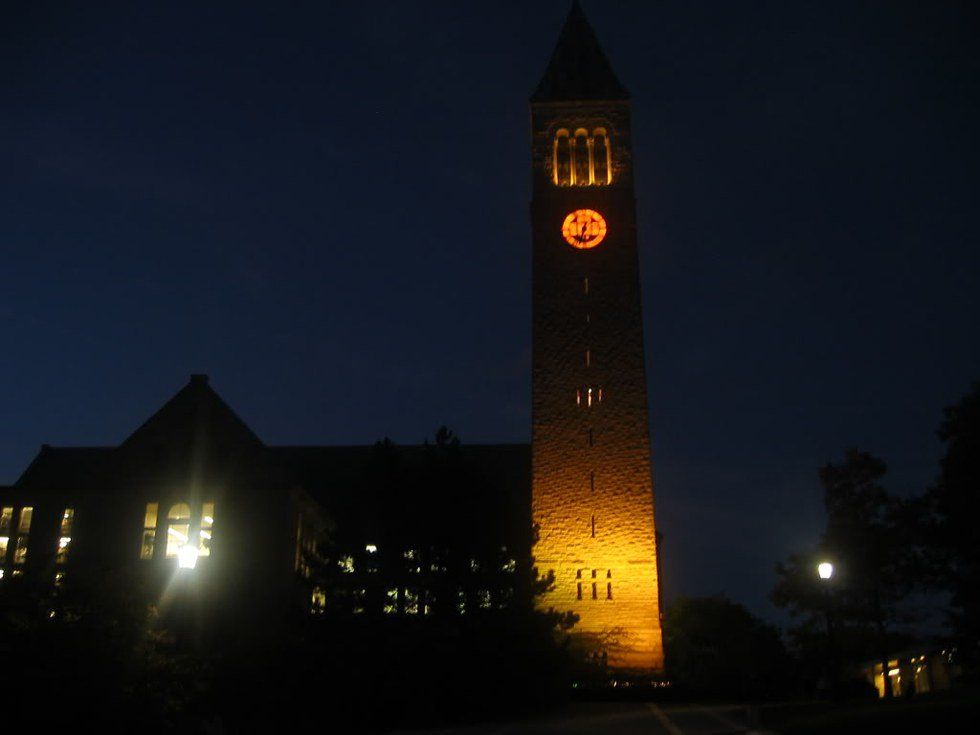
(579, 69)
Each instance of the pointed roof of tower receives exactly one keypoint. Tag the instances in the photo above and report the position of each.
(579, 69)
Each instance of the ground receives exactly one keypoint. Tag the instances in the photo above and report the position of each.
(952, 712)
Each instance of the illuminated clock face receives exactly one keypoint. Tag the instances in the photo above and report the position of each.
(584, 228)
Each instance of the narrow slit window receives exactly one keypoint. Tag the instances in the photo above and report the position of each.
(595, 592)
(585, 285)
(578, 594)
(149, 531)
(592, 481)
(593, 526)
(588, 358)
(608, 590)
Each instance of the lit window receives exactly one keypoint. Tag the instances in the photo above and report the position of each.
(561, 159)
(412, 560)
(371, 549)
(20, 550)
(346, 564)
(6, 520)
(2, 571)
(588, 396)
(601, 158)
(359, 596)
(59, 579)
(149, 531)
(207, 523)
(484, 598)
(509, 565)
(411, 601)
(461, 602)
(24, 526)
(23, 534)
(580, 159)
(64, 542)
(474, 565)
(391, 601)
(430, 602)
(318, 601)
(179, 530)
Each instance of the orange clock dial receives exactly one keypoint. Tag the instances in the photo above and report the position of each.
(584, 228)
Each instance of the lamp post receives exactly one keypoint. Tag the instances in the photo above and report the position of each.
(825, 570)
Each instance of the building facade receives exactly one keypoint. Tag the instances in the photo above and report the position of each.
(591, 489)
(415, 530)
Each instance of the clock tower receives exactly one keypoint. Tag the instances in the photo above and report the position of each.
(592, 494)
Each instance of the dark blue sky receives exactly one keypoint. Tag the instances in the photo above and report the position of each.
(325, 207)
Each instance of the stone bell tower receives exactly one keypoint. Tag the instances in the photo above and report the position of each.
(592, 494)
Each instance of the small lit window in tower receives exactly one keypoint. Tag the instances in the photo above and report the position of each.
(23, 534)
(64, 541)
(206, 531)
(588, 358)
(580, 159)
(578, 398)
(149, 531)
(585, 285)
(561, 159)
(59, 579)
(601, 159)
(179, 528)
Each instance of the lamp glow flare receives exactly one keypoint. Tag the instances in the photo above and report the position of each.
(187, 556)
(825, 570)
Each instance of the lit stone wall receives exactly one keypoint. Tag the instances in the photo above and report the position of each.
(592, 496)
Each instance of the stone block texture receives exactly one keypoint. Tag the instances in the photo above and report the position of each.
(592, 493)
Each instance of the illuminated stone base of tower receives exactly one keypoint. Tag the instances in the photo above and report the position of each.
(621, 625)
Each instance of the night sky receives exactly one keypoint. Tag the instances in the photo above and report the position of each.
(324, 206)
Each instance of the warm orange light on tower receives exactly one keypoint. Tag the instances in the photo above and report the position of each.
(584, 228)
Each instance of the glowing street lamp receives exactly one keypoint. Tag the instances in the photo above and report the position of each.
(187, 556)
(826, 570)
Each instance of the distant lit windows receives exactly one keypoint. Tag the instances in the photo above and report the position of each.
(391, 601)
(582, 158)
(483, 598)
(23, 534)
(183, 529)
(6, 521)
(179, 528)
(360, 595)
(318, 601)
(64, 540)
(149, 531)
(346, 564)
(461, 601)
(411, 557)
(411, 601)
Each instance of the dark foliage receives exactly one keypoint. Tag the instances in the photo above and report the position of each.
(716, 647)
